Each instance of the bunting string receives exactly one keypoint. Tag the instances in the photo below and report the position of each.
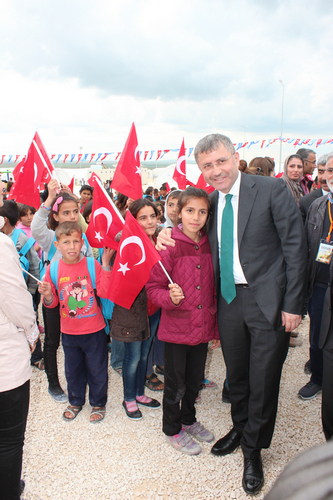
(156, 155)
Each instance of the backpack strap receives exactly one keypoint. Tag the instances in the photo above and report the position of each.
(54, 273)
(16, 234)
(25, 249)
(87, 244)
(52, 250)
(91, 270)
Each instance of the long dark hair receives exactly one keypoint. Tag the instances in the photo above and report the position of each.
(52, 223)
(192, 192)
(140, 203)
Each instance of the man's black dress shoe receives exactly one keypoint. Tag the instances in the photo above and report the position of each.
(227, 444)
(253, 477)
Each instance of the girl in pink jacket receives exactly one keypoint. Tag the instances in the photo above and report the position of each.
(188, 319)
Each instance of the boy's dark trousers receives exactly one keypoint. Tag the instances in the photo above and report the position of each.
(51, 343)
(184, 368)
(86, 361)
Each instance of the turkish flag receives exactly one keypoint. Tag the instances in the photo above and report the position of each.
(136, 256)
(33, 173)
(202, 184)
(71, 184)
(105, 222)
(179, 174)
(92, 179)
(127, 177)
(17, 169)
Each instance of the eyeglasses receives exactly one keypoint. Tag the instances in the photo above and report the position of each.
(313, 162)
(218, 163)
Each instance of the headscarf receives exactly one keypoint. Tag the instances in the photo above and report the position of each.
(294, 186)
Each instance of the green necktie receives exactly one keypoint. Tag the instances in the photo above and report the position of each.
(228, 289)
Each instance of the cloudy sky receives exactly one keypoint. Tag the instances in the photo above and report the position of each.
(81, 71)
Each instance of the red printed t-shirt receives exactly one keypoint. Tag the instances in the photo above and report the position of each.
(80, 313)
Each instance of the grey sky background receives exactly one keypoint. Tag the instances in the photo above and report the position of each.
(80, 72)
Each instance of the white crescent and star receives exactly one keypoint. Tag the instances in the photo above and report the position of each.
(138, 168)
(137, 241)
(98, 236)
(180, 160)
(104, 211)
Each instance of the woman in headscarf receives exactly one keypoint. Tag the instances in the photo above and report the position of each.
(292, 174)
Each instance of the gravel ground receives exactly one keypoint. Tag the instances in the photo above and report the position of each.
(122, 459)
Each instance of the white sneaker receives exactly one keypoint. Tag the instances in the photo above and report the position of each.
(184, 443)
(199, 432)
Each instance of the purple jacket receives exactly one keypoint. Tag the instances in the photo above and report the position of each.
(190, 265)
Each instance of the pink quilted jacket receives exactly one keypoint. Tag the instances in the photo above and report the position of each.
(193, 321)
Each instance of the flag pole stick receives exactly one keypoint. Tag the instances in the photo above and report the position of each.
(38, 281)
(166, 272)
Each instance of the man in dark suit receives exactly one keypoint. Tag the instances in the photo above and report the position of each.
(264, 301)
(316, 296)
(319, 229)
(305, 201)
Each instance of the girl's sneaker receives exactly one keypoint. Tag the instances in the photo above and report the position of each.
(208, 384)
(198, 432)
(184, 443)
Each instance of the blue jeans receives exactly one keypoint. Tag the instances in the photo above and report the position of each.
(117, 354)
(134, 368)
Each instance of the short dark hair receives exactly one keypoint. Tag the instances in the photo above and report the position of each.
(24, 209)
(305, 153)
(87, 210)
(67, 228)
(11, 211)
(86, 187)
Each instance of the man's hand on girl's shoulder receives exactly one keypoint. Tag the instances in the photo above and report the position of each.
(164, 239)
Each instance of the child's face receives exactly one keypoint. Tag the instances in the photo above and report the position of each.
(194, 215)
(67, 211)
(172, 210)
(85, 196)
(27, 218)
(70, 247)
(146, 217)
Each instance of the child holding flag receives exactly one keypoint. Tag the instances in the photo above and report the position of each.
(188, 319)
(56, 209)
(82, 323)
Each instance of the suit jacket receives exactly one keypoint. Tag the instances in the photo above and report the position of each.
(272, 245)
(306, 201)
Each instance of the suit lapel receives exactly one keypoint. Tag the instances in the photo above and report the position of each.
(247, 195)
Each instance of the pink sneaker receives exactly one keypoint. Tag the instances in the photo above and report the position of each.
(184, 443)
(198, 431)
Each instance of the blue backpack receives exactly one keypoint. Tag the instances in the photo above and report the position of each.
(24, 250)
(44, 263)
(105, 304)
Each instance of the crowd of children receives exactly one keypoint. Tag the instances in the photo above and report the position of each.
(72, 282)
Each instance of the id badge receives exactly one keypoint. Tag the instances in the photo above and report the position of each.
(324, 254)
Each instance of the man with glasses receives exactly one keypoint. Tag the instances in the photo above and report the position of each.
(259, 253)
(309, 157)
(305, 201)
(319, 227)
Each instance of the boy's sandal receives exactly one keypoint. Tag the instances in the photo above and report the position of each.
(153, 383)
(159, 370)
(39, 364)
(97, 411)
(73, 410)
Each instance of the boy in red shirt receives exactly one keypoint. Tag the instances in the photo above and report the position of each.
(82, 323)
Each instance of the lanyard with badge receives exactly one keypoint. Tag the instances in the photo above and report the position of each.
(325, 249)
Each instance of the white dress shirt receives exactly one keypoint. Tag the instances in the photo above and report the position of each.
(238, 271)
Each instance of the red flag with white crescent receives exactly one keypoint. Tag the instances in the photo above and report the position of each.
(33, 173)
(136, 256)
(105, 222)
(127, 177)
(179, 174)
(202, 184)
(92, 179)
